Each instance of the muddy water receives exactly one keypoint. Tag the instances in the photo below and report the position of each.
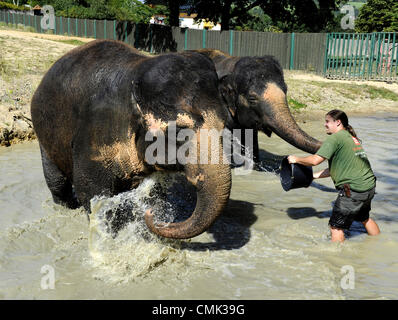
(269, 244)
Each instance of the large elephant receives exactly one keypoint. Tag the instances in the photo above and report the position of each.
(255, 91)
(91, 113)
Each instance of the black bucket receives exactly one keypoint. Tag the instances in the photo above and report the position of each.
(294, 175)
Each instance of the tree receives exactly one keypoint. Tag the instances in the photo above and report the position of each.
(224, 11)
(172, 10)
(287, 15)
(378, 16)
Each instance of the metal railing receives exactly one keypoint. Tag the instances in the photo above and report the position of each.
(300, 51)
(362, 56)
(354, 56)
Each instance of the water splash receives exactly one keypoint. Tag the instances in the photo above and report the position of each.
(120, 244)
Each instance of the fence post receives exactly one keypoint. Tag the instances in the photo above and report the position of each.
(186, 39)
(392, 56)
(204, 38)
(292, 36)
(95, 29)
(342, 58)
(77, 29)
(114, 29)
(371, 56)
(85, 28)
(125, 30)
(150, 39)
(325, 60)
(231, 42)
(105, 29)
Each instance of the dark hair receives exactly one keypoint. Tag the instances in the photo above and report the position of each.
(340, 115)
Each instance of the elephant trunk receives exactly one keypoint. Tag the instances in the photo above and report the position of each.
(213, 186)
(278, 118)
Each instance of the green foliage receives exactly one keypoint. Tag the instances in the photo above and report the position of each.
(258, 21)
(132, 10)
(295, 105)
(256, 15)
(8, 5)
(284, 15)
(378, 16)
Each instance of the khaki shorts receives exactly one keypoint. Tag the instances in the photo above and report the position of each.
(355, 208)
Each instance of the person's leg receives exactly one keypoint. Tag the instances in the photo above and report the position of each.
(337, 234)
(371, 227)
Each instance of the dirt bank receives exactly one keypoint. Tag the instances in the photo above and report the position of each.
(25, 57)
(311, 95)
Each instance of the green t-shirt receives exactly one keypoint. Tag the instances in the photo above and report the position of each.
(348, 162)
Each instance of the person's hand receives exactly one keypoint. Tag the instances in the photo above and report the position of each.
(292, 159)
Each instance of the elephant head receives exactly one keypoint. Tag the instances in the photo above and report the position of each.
(183, 88)
(255, 91)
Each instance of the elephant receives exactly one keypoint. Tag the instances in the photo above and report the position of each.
(92, 111)
(255, 92)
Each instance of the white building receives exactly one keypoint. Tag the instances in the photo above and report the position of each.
(187, 21)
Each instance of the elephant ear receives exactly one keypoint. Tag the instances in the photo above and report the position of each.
(229, 93)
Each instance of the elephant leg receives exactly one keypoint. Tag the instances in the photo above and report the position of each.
(59, 185)
(93, 179)
(89, 180)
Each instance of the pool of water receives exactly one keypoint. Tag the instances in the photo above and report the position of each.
(268, 244)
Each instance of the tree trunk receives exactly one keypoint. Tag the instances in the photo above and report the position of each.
(174, 7)
(226, 15)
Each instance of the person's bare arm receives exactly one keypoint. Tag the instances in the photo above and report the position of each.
(312, 160)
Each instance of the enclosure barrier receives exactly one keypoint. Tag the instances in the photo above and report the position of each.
(362, 56)
(370, 56)
(300, 51)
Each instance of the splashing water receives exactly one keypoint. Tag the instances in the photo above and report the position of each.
(119, 241)
(245, 156)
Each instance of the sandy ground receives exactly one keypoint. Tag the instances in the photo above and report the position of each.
(298, 75)
(356, 98)
(26, 56)
(24, 59)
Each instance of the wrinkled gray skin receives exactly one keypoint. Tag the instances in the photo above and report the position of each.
(91, 113)
(255, 92)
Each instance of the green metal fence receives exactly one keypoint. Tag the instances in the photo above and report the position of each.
(294, 51)
(362, 56)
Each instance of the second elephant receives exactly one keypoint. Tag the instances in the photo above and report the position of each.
(255, 91)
